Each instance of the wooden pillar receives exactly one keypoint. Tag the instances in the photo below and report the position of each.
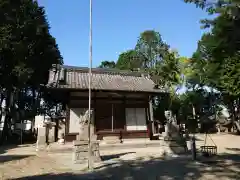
(125, 120)
(147, 119)
(112, 115)
(147, 115)
(151, 114)
(67, 119)
(94, 113)
(56, 127)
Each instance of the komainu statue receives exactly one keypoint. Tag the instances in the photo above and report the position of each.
(171, 128)
(174, 143)
(83, 125)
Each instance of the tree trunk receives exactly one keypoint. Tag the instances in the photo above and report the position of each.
(233, 111)
(193, 112)
(7, 118)
(238, 108)
(1, 114)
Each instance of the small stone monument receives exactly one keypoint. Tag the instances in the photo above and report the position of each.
(41, 137)
(81, 145)
(45, 135)
(61, 131)
(50, 131)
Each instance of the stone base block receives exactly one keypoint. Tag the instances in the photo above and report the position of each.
(81, 154)
(172, 147)
(111, 140)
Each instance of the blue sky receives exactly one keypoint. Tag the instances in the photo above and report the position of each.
(117, 24)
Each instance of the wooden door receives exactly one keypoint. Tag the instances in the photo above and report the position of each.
(118, 116)
(103, 117)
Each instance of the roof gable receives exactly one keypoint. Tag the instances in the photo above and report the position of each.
(102, 79)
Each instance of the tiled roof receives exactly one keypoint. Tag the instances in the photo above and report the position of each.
(102, 79)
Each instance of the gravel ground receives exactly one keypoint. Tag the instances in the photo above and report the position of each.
(134, 163)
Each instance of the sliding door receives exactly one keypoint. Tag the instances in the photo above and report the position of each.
(135, 119)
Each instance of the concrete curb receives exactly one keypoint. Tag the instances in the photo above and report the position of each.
(63, 149)
(133, 145)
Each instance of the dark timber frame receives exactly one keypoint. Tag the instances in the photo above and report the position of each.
(129, 100)
(113, 93)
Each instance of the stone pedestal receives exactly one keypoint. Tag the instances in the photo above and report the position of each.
(81, 154)
(171, 132)
(173, 142)
(172, 148)
(41, 138)
(51, 134)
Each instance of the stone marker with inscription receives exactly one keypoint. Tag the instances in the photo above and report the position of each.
(41, 137)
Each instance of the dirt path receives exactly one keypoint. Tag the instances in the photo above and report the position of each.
(24, 161)
(139, 163)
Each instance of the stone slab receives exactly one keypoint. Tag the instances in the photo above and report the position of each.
(80, 143)
(80, 151)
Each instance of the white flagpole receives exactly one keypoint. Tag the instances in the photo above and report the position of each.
(89, 86)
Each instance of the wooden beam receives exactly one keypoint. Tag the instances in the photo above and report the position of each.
(156, 93)
(107, 98)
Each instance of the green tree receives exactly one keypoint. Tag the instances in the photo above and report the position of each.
(154, 56)
(217, 56)
(129, 60)
(151, 48)
(218, 6)
(169, 71)
(27, 52)
(218, 51)
(158, 60)
(107, 64)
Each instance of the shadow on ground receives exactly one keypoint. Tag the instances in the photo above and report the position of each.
(226, 166)
(5, 148)
(114, 156)
(6, 158)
